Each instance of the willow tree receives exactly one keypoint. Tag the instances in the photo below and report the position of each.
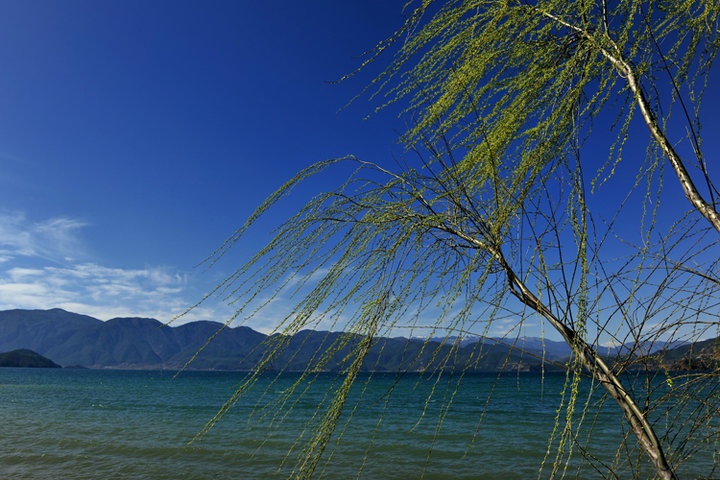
(502, 206)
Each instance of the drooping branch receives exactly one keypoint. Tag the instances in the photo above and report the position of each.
(509, 83)
(626, 71)
(588, 356)
(686, 182)
(316, 446)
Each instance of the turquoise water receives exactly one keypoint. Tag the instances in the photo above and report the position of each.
(91, 424)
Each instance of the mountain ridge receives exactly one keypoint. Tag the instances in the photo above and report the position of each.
(72, 339)
(143, 343)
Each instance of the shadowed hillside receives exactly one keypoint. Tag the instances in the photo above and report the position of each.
(143, 343)
(26, 359)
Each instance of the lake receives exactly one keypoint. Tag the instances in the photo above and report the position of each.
(105, 424)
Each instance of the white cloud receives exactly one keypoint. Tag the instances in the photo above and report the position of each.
(20, 273)
(39, 268)
(53, 239)
(95, 290)
(42, 266)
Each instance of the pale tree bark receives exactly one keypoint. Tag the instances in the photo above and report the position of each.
(628, 73)
(588, 356)
(644, 432)
(688, 186)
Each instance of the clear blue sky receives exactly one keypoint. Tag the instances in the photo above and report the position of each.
(136, 135)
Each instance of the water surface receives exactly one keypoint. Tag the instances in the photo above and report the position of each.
(94, 424)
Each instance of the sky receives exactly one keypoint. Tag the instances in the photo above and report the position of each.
(136, 136)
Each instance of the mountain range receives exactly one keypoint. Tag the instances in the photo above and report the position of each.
(71, 339)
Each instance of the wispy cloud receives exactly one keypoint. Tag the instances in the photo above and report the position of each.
(95, 290)
(52, 239)
(43, 265)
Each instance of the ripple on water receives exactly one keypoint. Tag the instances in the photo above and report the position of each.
(79, 425)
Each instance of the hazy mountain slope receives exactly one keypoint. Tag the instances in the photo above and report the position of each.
(40, 330)
(143, 343)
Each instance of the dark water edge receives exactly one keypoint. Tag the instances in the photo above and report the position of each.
(92, 424)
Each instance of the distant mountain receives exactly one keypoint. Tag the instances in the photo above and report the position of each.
(559, 351)
(71, 339)
(550, 349)
(704, 355)
(641, 349)
(542, 347)
(25, 358)
(135, 343)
